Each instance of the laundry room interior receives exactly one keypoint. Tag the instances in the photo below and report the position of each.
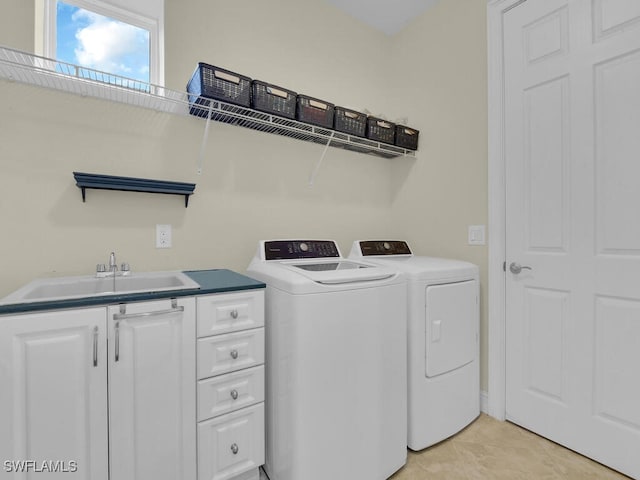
(253, 186)
(430, 72)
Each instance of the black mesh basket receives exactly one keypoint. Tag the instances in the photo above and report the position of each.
(381, 130)
(407, 137)
(219, 84)
(272, 99)
(350, 121)
(314, 111)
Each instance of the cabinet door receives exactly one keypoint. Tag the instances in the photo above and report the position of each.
(53, 394)
(152, 405)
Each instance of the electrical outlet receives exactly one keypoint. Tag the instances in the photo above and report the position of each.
(163, 236)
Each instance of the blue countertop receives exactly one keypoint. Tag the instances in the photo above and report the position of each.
(210, 281)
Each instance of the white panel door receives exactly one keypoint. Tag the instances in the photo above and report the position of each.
(53, 395)
(152, 391)
(572, 107)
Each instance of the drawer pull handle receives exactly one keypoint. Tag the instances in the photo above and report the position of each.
(234, 448)
(126, 316)
(117, 346)
(234, 354)
(95, 346)
(234, 314)
(234, 394)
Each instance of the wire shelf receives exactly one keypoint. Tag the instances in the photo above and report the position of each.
(245, 117)
(44, 72)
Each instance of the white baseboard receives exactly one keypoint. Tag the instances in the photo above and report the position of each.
(484, 401)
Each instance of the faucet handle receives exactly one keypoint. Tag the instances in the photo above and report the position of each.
(125, 267)
(101, 268)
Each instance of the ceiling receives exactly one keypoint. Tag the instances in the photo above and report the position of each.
(389, 16)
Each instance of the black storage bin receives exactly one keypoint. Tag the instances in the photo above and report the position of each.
(350, 121)
(273, 99)
(219, 84)
(381, 130)
(407, 137)
(314, 111)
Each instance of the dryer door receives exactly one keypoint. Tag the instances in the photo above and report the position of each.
(451, 326)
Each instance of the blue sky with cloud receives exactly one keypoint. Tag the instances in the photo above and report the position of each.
(102, 43)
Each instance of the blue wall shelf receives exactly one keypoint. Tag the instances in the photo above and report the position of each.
(110, 182)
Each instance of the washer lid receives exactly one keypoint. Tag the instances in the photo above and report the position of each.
(330, 266)
(340, 272)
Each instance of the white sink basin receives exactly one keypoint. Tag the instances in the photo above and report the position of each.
(63, 288)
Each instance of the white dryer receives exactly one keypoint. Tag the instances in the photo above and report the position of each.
(336, 385)
(443, 321)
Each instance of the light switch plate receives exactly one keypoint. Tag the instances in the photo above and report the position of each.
(477, 235)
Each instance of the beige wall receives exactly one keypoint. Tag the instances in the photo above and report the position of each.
(441, 86)
(16, 24)
(253, 185)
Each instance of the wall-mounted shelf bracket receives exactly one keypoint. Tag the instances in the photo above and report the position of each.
(131, 184)
(312, 177)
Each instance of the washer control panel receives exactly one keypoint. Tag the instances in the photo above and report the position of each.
(384, 247)
(295, 249)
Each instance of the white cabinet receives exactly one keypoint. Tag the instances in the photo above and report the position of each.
(132, 392)
(229, 352)
(57, 378)
(53, 394)
(232, 444)
(230, 358)
(152, 398)
(230, 312)
(226, 393)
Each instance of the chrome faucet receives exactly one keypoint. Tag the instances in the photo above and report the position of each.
(113, 266)
(112, 270)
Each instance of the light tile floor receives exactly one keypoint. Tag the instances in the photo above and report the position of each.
(492, 450)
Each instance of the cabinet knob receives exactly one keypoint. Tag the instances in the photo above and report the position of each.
(234, 354)
(234, 314)
(234, 394)
(234, 448)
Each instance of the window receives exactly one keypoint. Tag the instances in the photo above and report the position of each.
(104, 36)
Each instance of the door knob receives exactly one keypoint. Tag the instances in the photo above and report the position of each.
(516, 268)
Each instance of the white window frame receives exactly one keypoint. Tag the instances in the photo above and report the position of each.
(151, 20)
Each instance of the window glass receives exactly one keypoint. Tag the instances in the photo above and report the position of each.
(91, 40)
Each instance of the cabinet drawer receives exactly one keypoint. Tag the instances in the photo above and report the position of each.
(232, 351)
(226, 393)
(231, 444)
(231, 312)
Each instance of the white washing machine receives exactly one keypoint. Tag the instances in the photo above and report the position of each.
(336, 398)
(443, 321)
